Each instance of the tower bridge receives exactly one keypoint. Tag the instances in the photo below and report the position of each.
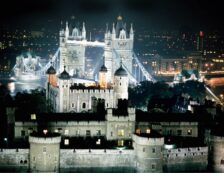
(118, 49)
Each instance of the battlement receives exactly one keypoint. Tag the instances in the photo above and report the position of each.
(185, 152)
(130, 117)
(97, 91)
(150, 141)
(217, 138)
(45, 140)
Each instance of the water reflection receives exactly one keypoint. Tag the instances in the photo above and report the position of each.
(215, 82)
(14, 86)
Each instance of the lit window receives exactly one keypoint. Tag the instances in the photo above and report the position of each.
(56, 130)
(189, 131)
(148, 131)
(45, 131)
(33, 116)
(138, 131)
(120, 143)
(98, 142)
(66, 141)
(120, 132)
(66, 131)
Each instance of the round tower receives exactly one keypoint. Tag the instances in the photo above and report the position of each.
(44, 152)
(148, 152)
(216, 153)
(103, 77)
(120, 84)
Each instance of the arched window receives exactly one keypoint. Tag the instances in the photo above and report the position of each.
(122, 34)
(83, 105)
(75, 32)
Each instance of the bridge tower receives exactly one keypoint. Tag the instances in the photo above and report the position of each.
(118, 47)
(72, 54)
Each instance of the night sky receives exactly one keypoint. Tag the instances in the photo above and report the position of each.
(154, 14)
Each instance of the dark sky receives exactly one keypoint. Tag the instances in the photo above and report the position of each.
(155, 14)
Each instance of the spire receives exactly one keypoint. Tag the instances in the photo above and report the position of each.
(131, 32)
(113, 32)
(106, 27)
(83, 30)
(66, 30)
(61, 25)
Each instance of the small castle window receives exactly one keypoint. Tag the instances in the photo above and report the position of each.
(138, 131)
(66, 141)
(153, 166)
(143, 149)
(179, 132)
(44, 149)
(120, 143)
(21, 162)
(120, 132)
(66, 131)
(33, 116)
(189, 131)
(23, 133)
(73, 105)
(88, 133)
(98, 132)
(83, 105)
(222, 162)
(111, 134)
(98, 142)
(153, 150)
(77, 132)
(148, 131)
(25, 161)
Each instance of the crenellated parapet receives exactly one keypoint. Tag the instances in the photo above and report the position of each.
(45, 140)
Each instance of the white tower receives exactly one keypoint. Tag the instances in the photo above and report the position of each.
(119, 47)
(120, 85)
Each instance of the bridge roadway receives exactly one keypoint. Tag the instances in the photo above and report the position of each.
(87, 43)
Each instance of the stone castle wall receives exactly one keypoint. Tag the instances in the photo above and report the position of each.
(186, 159)
(14, 159)
(70, 158)
(182, 159)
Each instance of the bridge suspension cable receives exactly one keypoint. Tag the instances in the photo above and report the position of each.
(142, 68)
